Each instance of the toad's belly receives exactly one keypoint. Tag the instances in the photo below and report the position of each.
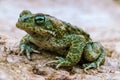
(61, 49)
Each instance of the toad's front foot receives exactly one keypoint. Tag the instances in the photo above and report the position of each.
(60, 62)
(27, 49)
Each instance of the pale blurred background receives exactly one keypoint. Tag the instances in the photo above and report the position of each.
(98, 17)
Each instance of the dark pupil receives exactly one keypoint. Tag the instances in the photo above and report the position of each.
(39, 19)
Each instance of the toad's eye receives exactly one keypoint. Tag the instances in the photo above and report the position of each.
(39, 19)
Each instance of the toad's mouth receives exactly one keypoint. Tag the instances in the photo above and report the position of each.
(31, 28)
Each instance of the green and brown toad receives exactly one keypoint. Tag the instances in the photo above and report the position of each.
(54, 35)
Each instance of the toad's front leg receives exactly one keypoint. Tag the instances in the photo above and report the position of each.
(77, 43)
(27, 47)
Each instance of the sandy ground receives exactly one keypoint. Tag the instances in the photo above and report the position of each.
(100, 18)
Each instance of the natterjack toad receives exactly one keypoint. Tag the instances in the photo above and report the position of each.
(54, 35)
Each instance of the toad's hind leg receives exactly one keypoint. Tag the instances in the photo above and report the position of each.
(94, 54)
(77, 44)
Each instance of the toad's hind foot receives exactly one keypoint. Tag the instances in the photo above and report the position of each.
(95, 64)
(97, 61)
(88, 66)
